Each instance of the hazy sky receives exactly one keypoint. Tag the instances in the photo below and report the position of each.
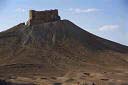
(105, 18)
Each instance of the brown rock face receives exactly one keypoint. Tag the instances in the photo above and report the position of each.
(39, 17)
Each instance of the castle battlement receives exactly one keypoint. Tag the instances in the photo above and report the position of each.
(39, 17)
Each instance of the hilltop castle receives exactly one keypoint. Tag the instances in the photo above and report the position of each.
(39, 17)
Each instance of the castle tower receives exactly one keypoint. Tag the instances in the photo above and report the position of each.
(39, 17)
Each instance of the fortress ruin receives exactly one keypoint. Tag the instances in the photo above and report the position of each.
(39, 17)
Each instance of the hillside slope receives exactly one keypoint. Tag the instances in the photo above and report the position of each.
(56, 48)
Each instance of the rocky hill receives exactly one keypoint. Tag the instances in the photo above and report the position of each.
(60, 51)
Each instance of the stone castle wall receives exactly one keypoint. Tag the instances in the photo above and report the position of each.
(38, 17)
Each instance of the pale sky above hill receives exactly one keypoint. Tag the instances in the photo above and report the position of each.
(105, 18)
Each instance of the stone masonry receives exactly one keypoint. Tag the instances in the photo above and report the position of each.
(39, 17)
